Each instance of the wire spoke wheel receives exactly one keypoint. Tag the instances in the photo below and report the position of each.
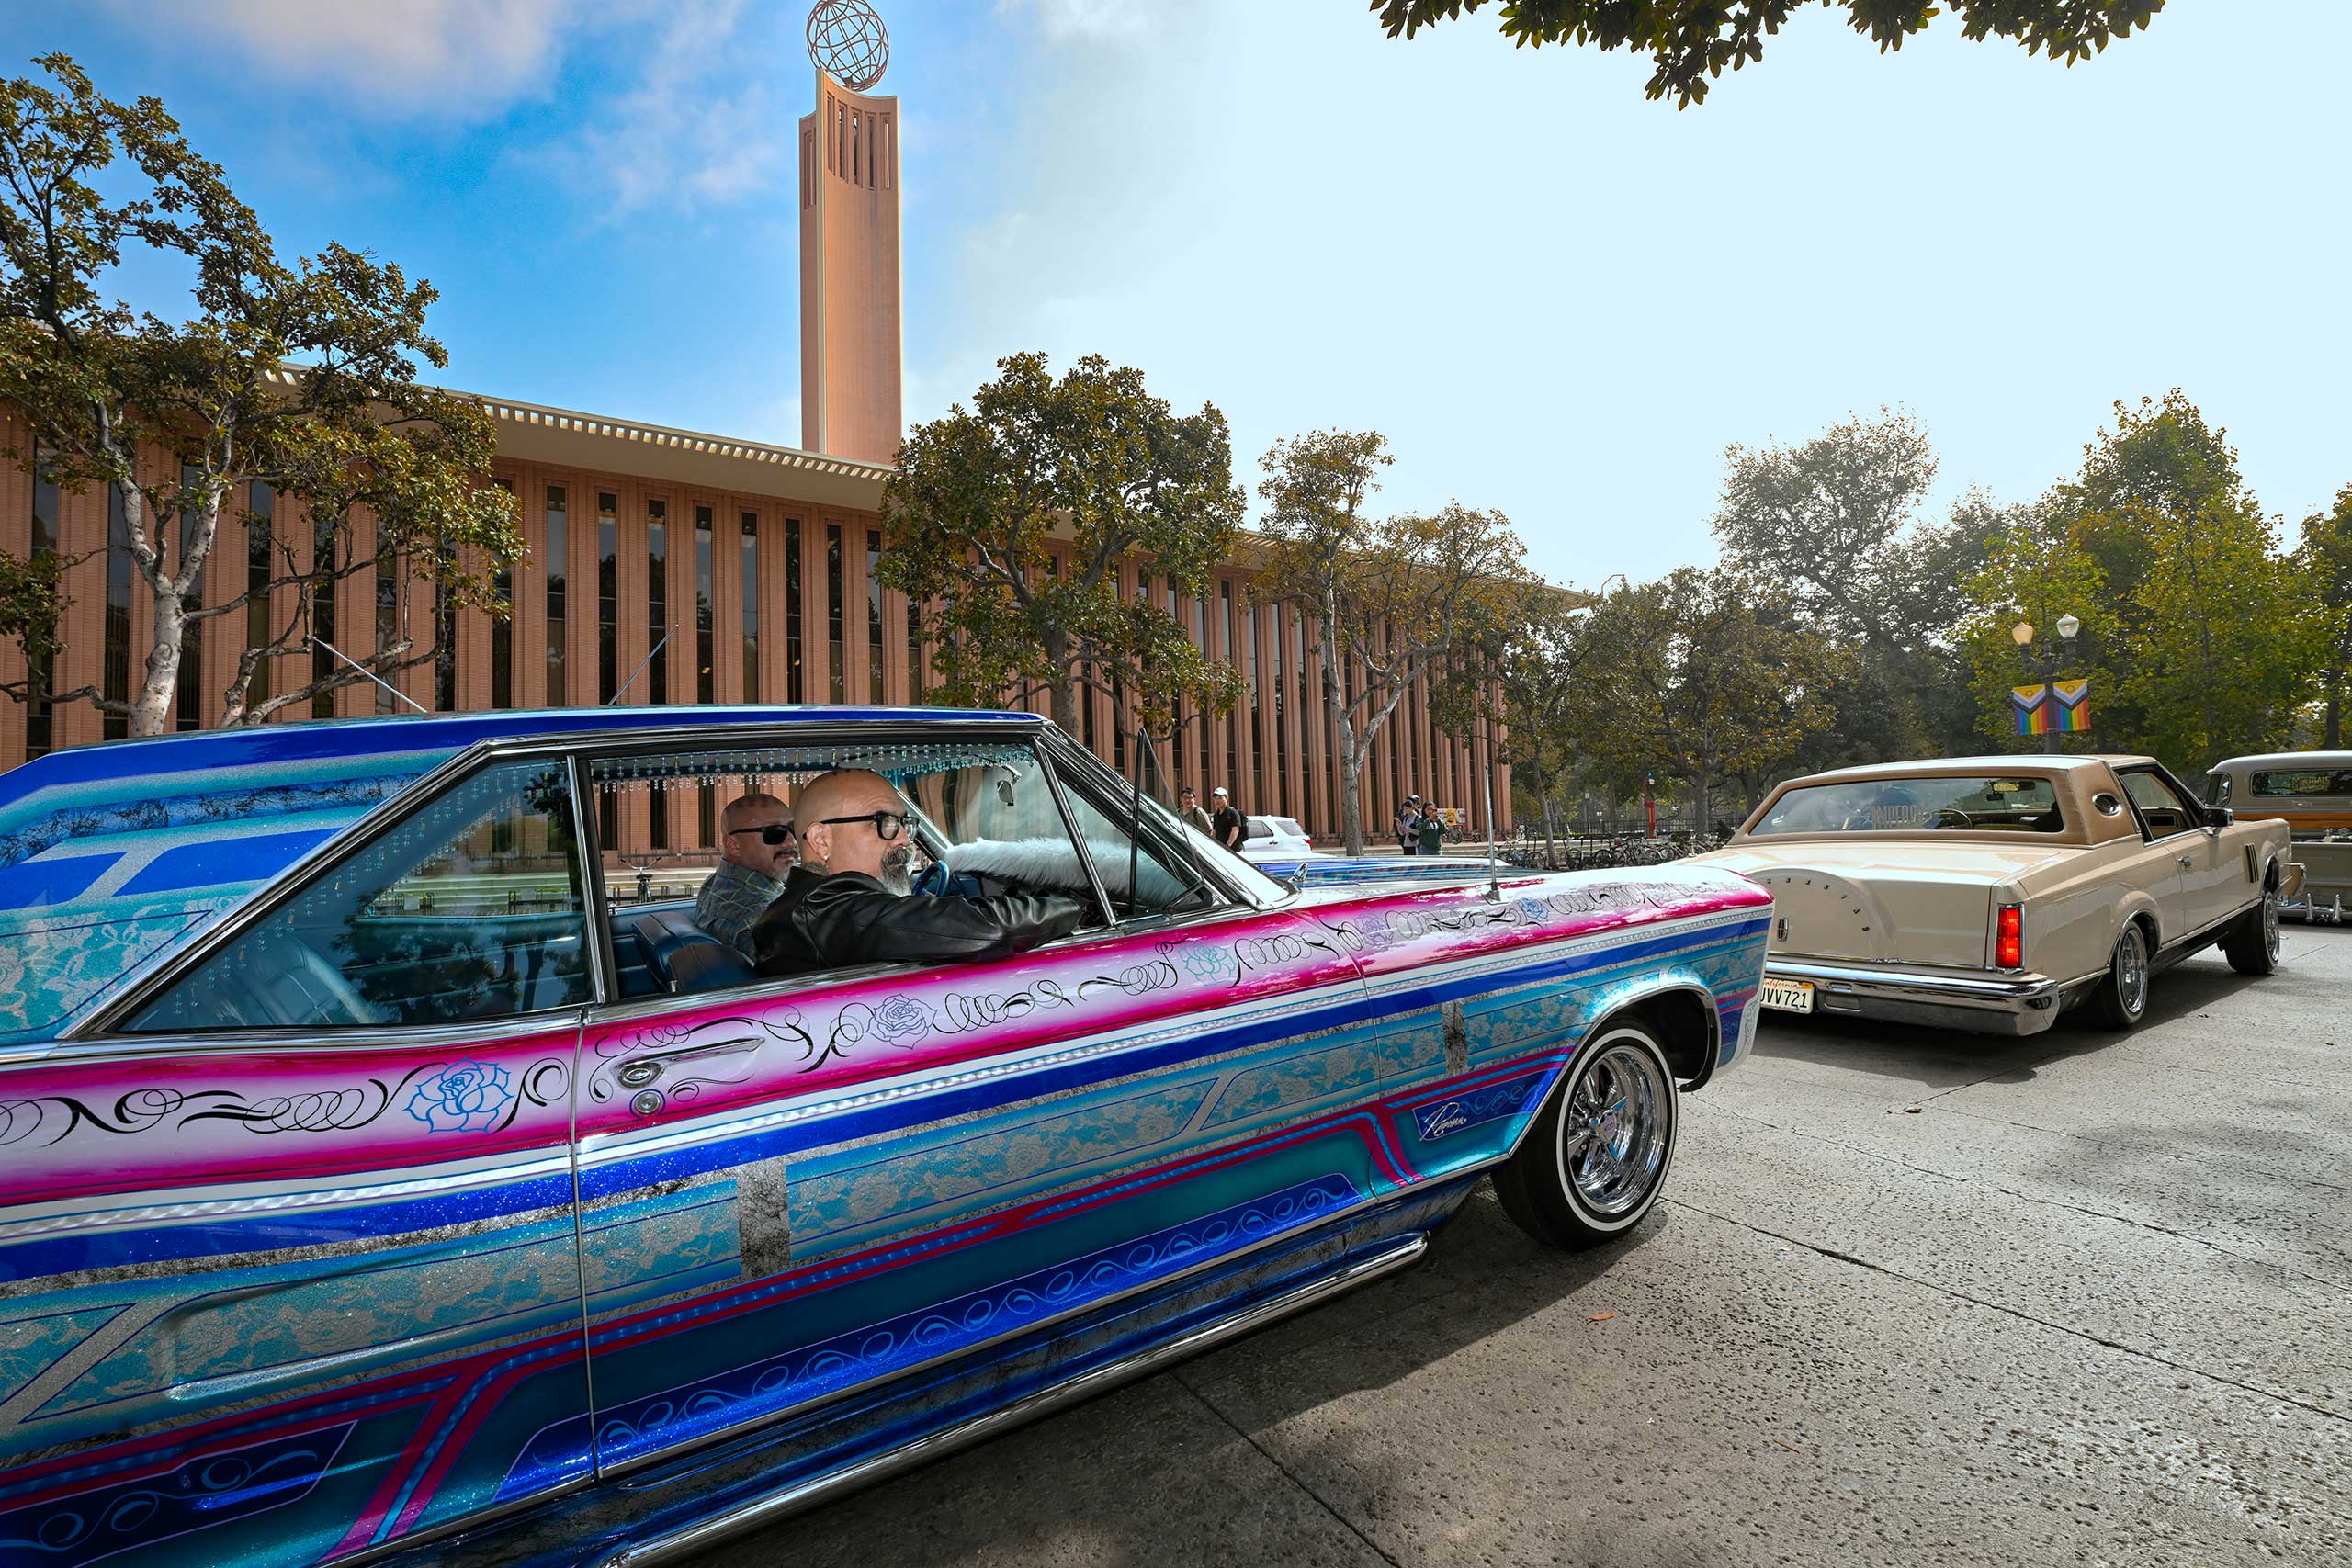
(1595, 1159)
(1614, 1137)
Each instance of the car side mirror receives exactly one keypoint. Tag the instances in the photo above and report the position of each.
(2218, 816)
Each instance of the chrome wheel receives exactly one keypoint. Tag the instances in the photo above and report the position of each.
(2271, 922)
(2131, 970)
(1614, 1130)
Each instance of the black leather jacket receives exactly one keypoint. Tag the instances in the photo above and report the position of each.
(833, 923)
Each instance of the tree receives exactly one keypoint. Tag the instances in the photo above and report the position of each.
(980, 499)
(1834, 524)
(1543, 675)
(1691, 45)
(1395, 599)
(2035, 572)
(2209, 654)
(300, 378)
(1699, 674)
(2324, 566)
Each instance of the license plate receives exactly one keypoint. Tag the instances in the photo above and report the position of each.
(1788, 995)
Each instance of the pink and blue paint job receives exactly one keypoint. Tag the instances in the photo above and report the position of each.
(284, 1300)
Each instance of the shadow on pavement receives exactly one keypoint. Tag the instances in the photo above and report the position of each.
(1152, 1474)
(1949, 1058)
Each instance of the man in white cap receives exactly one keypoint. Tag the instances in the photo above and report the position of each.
(1227, 826)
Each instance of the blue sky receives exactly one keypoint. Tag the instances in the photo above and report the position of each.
(1555, 297)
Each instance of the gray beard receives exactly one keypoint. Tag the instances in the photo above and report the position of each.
(894, 877)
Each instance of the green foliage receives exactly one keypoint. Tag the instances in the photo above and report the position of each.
(300, 375)
(1691, 45)
(1703, 675)
(1396, 598)
(2036, 573)
(1543, 676)
(1833, 524)
(1091, 462)
(2197, 638)
(2324, 566)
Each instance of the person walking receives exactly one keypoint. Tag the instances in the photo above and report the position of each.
(1432, 832)
(1188, 806)
(1227, 826)
(1409, 825)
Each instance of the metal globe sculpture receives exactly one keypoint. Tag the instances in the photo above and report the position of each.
(847, 42)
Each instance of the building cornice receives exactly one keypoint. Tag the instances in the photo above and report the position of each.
(570, 438)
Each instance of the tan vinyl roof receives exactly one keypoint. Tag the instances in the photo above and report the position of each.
(2010, 762)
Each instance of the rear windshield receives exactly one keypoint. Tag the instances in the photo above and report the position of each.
(1916, 806)
(2288, 783)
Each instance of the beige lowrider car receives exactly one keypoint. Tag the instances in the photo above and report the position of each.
(1994, 893)
(2312, 793)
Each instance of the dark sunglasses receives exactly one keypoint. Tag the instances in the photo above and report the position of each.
(887, 825)
(772, 834)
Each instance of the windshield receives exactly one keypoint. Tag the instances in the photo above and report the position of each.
(2012, 804)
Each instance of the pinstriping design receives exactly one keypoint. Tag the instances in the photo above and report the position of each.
(441, 1437)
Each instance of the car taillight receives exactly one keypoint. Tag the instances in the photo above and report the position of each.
(2008, 938)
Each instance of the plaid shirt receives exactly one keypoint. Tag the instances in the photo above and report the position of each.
(734, 897)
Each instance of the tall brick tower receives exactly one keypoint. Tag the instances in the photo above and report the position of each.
(849, 242)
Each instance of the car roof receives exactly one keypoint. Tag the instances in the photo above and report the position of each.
(2010, 762)
(2286, 760)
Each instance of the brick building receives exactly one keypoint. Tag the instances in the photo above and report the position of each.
(758, 559)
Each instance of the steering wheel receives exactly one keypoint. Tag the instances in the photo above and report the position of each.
(1948, 816)
(935, 879)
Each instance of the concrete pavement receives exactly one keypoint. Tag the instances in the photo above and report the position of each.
(1913, 1297)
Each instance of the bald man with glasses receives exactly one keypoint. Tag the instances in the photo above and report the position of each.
(852, 901)
(756, 848)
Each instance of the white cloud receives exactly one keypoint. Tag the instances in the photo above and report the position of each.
(1064, 21)
(702, 127)
(464, 58)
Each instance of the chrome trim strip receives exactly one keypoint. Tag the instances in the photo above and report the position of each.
(1958, 989)
(795, 1498)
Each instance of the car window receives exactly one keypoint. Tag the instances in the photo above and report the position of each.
(2006, 804)
(1165, 883)
(981, 818)
(2289, 783)
(470, 907)
(2162, 810)
(1261, 829)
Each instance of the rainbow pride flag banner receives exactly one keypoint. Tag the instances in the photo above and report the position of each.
(2074, 705)
(2031, 706)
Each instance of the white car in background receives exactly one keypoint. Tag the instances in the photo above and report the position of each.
(1281, 837)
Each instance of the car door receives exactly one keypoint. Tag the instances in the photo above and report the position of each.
(2197, 884)
(289, 1241)
(796, 1188)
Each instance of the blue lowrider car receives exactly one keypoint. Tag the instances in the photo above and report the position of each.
(386, 1176)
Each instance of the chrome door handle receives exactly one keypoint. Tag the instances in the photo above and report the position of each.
(639, 1071)
(2187, 861)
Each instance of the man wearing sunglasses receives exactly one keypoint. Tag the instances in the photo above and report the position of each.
(756, 848)
(851, 900)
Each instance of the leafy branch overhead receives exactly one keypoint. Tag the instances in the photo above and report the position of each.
(1013, 517)
(299, 378)
(1693, 44)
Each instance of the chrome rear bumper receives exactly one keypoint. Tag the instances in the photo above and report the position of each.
(1988, 1004)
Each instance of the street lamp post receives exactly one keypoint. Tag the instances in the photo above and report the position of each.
(2046, 665)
